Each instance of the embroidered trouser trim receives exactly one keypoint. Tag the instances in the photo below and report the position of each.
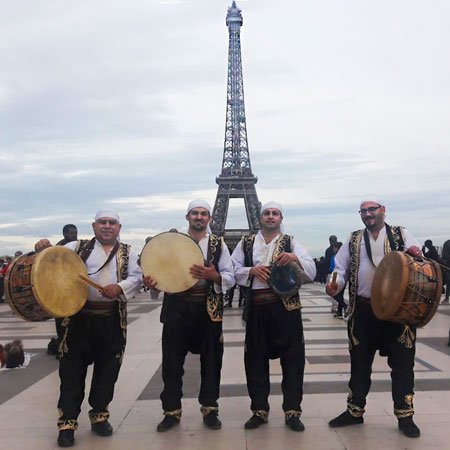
(261, 413)
(66, 424)
(205, 410)
(98, 416)
(292, 413)
(408, 411)
(176, 413)
(354, 410)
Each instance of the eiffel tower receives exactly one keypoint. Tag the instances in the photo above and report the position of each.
(236, 179)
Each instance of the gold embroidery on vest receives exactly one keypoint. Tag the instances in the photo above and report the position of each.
(355, 248)
(214, 301)
(293, 302)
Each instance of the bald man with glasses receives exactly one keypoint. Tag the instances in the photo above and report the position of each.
(356, 263)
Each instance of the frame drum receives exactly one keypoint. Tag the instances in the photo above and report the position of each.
(406, 290)
(285, 280)
(39, 286)
(168, 257)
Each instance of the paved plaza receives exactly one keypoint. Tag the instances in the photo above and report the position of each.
(28, 396)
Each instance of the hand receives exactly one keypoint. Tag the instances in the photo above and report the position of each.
(332, 289)
(414, 251)
(42, 244)
(205, 273)
(112, 291)
(260, 272)
(285, 258)
(149, 282)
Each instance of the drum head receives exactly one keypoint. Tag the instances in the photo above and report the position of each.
(285, 280)
(57, 286)
(168, 257)
(389, 285)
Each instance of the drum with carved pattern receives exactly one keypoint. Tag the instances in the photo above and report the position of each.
(406, 290)
(39, 286)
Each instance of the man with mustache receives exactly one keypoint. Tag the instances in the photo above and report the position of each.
(193, 323)
(97, 334)
(356, 263)
(274, 326)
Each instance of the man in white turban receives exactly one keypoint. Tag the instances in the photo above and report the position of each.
(193, 323)
(97, 334)
(274, 326)
(356, 263)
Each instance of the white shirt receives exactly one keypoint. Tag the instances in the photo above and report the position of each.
(366, 270)
(108, 275)
(225, 266)
(262, 256)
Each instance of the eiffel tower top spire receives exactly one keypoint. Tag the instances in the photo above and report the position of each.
(236, 179)
(236, 159)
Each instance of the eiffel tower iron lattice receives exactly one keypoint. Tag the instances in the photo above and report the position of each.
(236, 179)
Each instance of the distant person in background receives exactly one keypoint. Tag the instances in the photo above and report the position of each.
(229, 295)
(429, 251)
(17, 254)
(339, 297)
(329, 252)
(70, 233)
(323, 270)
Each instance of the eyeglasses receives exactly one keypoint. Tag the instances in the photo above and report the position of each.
(371, 210)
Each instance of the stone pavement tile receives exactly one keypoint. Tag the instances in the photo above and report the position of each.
(224, 439)
(315, 437)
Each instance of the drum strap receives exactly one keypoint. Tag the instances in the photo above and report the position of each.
(85, 250)
(394, 241)
(368, 248)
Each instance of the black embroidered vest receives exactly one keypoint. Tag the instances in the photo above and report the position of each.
(283, 244)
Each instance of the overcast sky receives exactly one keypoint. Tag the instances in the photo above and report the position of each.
(121, 104)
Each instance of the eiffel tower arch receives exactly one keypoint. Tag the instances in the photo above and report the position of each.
(236, 179)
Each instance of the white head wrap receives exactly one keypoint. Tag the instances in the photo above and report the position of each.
(107, 213)
(273, 205)
(198, 204)
(373, 199)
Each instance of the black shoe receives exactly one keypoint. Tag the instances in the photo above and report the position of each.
(344, 420)
(254, 422)
(295, 424)
(228, 305)
(408, 427)
(167, 423)
(66, 438)
(211, 421)
(102, 428)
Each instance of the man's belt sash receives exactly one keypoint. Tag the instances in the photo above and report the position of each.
(361, 299)
(195, 295)
(101, 308)
(262, 297)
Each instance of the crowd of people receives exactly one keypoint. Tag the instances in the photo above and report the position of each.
(192, 319)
